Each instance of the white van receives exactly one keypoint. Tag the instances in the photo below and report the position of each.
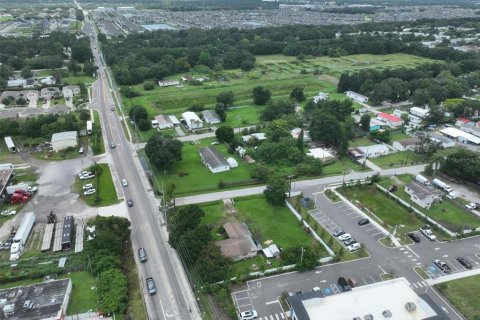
(124, 182)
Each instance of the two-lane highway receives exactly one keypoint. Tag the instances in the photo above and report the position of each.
(174, 298)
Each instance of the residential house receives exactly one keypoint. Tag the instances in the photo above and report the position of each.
(17, 83)
(407, 144)
(48, 81)
(63, 140)
(373, 151)
(295, 132)
(419, 112)
(321, 96)
(8, 114)
(168, 83)
(356, 96)
(442, 140)
(50, 93)
(70, 91)
(239, 244)
(260, 136)
(13, 95)
(322, 154)
(211, 117)
(460, 122)
(423, 195)
(29, 95)
(389, 119)
(192, 121)
(31, 112)
(59, 109)
(213, 159)
(163, 122)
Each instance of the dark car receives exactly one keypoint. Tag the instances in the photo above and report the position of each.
(392, 188)
(343, 283)
(442, 266)
(112, 108)
(464, 262)
(414, 237)
(142, 255)
(151, 286)
(352, 282)
(338, 233)
(112, 145)
(363, 222)
(129, 202)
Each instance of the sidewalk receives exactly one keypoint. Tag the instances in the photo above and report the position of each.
(372, 165)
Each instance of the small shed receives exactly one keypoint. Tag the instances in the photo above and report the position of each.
(232, 162)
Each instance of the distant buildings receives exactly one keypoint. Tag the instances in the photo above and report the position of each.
(168, 83)
(163, 121)
(322, 154)
(373, 151)
(389, 119)
(407, 144)
(356, 96)
(211, 117)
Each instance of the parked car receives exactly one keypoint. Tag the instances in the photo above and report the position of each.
(363, 222)
(338, 233)
(414, 237)
(352, 282)
(442, 266)
(344, 237)
(8, 212)
(343, 283)
(142, 255)
(464, 263)
(316, 289)
(248, 315)
(392, 188)
(427, 232)
(151, 286)
(112, 108)
(349, 242)
(354, 247)
(89, 192)
(80, 150)
(129, 202)
(124, 182)
(88, 186)
(471, 206)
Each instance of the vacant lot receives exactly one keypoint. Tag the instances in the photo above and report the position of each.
(398, 159)
(463, 293)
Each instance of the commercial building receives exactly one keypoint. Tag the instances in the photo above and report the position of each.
(63, 140)
(239, 244)
(423, 195)
(213, 160)
(356, 96)
(42, 301)
(211, 117)
(192, 121)
(391, 299)
(460, 135)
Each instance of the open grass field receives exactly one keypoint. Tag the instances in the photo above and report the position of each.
(105, 190)
(449, 213)
(78, 79)
(463, 293)
(397, 159)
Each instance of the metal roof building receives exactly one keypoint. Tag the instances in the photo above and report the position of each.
(63, 140)
(210, 117)
(213, 159)
(67, 232)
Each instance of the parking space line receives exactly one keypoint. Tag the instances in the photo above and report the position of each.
(276, 316)
(376, 234)
(282, 316)
(271, 317)
(244, 305)
(241, 298)
(414, 285)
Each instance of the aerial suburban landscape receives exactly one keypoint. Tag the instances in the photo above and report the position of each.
(227, 159)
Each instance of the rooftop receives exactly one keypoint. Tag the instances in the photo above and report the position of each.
(373, 299)
(210, 116)
(408, 142)
(422, 191)
(212, 157)
(5, 175)
(66, 135)
(239, 244)
(389, 117)
(39, 301)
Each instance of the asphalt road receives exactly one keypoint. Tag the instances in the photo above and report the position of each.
(174, 298)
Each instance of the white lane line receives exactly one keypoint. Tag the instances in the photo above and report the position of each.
(271, 302)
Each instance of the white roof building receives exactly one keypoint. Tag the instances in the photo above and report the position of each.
(356, 96)
(192, 120)
(319, 153)
(373, 151)
(321, 96)
(17, 83)
(211, 117)
(460, 135)
(260, 136)
(63, 140)
(232, 162)
(392, 299)
(295, 132)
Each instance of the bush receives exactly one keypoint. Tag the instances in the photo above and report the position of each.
(143, 125)
(148, 86)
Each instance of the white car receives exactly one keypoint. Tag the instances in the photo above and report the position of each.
(83, 173)
(354, 247)
(471, 206)
(89, 192)
(87, 186)
(87, 176)
(124, 182)
(8, 212)
(248, 315)
(345, 236)
(428, 234)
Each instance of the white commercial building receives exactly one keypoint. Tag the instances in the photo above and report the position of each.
(376, 150)
(460, 135)
(357, 96)
(391, 299)
(192, 120)
(63, 140)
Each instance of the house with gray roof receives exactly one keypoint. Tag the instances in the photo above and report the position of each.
(213, 160)
(423, 195)
(239, 244)
(70, 91)
(59, 109)
(8, 114)
(211, 117)
(50, 93)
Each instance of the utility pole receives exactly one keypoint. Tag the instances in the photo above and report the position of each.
(301, 257)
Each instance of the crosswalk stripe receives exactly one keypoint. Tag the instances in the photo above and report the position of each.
(276, 316)
(419, 284)
(271, 317)
(413, 284)
(424, 283)
(282, 316)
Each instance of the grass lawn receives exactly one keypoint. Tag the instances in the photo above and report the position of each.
(449, 213)
(463, 293)
(97, 143)
(191, 176)
(340, 166)
(397, 159)
(243, 116)
(78, 79)
(398, 136)
(361, 142)
(387, 209)
(84, 293)
(105, 190)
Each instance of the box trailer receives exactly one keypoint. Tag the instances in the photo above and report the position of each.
(20, 239)
(422, 179)
(89, 127)
(21, 186)
(10, 145)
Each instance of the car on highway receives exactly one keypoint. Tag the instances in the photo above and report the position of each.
(464, 263)
(129, 202)
(414, 237)
(112, 108)
(112, 145)
(344, 237)
(89, 192)
(248, 315)
(363, 222)
(442, 266)
(338, 233)
(426, 230)
(8, 212)
(354, 247)
(142, 255)
(88, 186)
(124, 182)
(471, 206)
(151, 286)
(343, 283)
(349, 242)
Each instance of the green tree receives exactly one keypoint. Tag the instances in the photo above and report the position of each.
(182, 220)
(297, 94)
(326, 128)
(275, 192)
(212, 266)
(260, 172)
(225, 134)
(277, 109)
(26, 72)
(138, 113)
(112, 288)
(365, 122)
(163, 151)
(226, 98)
(277, 129)
(221, 110)
(261, 95)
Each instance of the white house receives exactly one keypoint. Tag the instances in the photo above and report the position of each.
(232, 162)
(407, 144)
(389, 119)
(211, 117)
(168, 83)
(70, 91)
(376, 150)
(163, 122)
(29, 94)
(357, 96)
(50, 92)
(63, 140)
(321, 96)
(295, 132)
(422, 195)
(319, 153)
(260, 136)
(213, 160)
(48, 81)
(192, 120)
(460, 135)
(419, 112)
